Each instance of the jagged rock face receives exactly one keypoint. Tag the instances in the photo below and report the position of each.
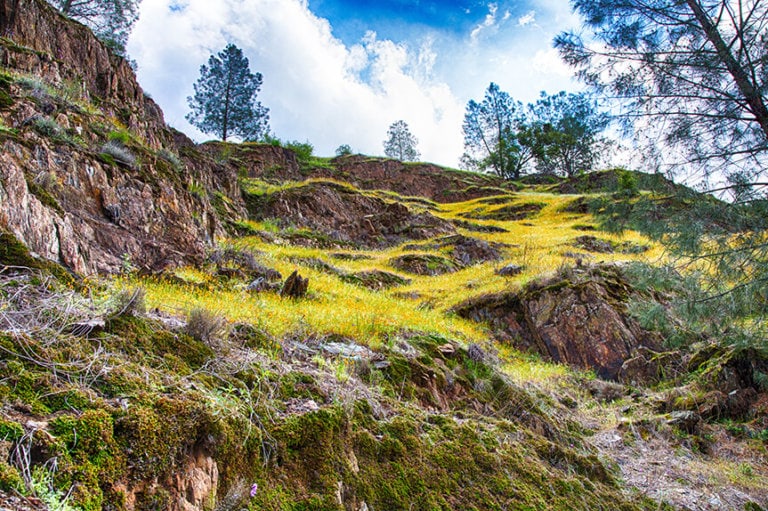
(582, 323)
(58, 193)
(368, 173)
(419, 179)
(58, 49)
(347, 216)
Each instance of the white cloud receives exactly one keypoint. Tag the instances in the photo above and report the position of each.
(549, 62)
(321, 90)
(527, 19)
(316, 88)
(488, 23)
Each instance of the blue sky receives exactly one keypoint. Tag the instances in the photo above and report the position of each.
(341, 71)
(398, 18)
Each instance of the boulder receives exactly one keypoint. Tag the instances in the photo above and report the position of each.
(580, 320)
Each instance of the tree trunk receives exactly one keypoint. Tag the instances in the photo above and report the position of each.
(750, 92)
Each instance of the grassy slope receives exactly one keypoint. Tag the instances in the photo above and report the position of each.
(274, 407)
(539, 243)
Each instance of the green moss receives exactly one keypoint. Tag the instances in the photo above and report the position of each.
(107, 158)
(90, 457)
(159, 433)
(10, 431)
(141, 339)
(12, 45)
(25, 386)
(14, 253)
(6, 100)
(10, 479)
(68, 399)
(44, 196)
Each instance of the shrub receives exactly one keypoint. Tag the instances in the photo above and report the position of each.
(628, 183)
(343, 150)
(196, 188)
(7, 130)
(47, 127)
(303, 150)
(122, 136)
(119, 153)
(72, 91)
(273, 141)
(130, 302)
(37, 88)
(170, 157)
(205, 326)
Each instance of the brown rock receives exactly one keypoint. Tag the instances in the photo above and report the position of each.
(295, 286)
(347, 216)
(581, 322)
(690, 422)
(65, 203)
(509, 270)
(648, 366)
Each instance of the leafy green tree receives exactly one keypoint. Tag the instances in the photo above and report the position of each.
(400, 143)
(693, 72)
(496, 135)
(110, 20)
(564, 133)
(225, 101)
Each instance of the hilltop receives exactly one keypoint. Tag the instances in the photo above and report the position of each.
(460, 341)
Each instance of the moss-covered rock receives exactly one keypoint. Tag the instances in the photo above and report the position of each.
(15, 253)
(90, 459)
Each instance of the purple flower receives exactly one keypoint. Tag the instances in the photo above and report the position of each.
(254, 489)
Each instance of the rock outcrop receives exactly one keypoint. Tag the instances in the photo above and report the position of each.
(433, 182)
(346, 215)
(42, 42)
(577, 319)
(90, 176)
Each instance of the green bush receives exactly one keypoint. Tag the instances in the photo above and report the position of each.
(303, 150)
(343, 150)
(122, 136)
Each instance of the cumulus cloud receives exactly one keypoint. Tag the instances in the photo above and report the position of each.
(317, 88)
(330, 93)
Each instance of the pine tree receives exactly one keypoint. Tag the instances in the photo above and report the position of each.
(400, 143)
(110, 20)
(691, 77)
(225, 102)
(691, 73)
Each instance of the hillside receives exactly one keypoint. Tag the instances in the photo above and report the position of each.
(460, 341)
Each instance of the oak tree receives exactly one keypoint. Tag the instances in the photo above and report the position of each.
(565, 133)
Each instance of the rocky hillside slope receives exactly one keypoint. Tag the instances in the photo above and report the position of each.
(447, 340)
